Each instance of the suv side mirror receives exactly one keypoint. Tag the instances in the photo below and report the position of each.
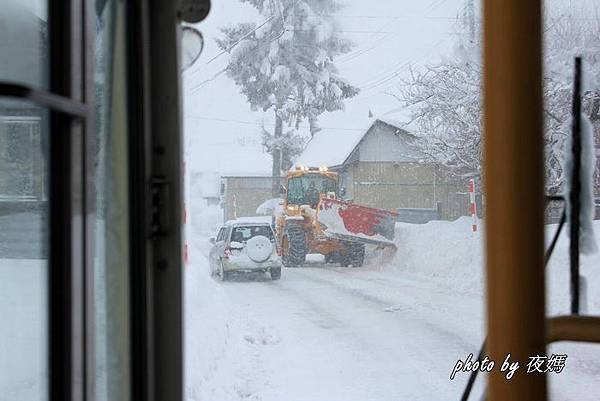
(282, 189)
(212, 240)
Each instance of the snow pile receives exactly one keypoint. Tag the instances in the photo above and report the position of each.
(222, 343)
(557, 275)
(451, 255)
(23, 331)
(447, 252)
(206, 329)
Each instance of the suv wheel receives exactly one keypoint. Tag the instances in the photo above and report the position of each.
(354, 255)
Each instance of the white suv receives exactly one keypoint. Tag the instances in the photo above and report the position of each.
(245, 245)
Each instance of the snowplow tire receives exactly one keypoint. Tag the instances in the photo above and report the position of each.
(297, 248)
(354, 255)
(357, 255)
(345, 260)
(333, 257)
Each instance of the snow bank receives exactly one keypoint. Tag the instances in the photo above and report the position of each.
(557, 275)
(447, 252)
(23, 331)
(206, 328)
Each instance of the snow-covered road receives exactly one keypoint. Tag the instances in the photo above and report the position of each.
(327, 333)
(386, 332)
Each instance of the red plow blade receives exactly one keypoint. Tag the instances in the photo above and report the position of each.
(352, 222)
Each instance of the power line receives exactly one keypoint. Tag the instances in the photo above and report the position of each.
(397, 71)
(339, 31)
(358, 52)
(392, 17)
(195, 88)
(240, 39)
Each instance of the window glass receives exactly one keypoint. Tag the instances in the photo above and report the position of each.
(307, 189)
(112, 224)
(382, 292)
(23, 252)
(22, 168)
(24, 42)
(244, 233)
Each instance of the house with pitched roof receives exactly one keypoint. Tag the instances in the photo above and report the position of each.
(382, 166)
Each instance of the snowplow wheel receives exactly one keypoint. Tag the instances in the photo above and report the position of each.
(333, 257)
(354, 255)
(295, 254)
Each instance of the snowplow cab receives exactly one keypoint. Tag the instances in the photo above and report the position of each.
(305, 185)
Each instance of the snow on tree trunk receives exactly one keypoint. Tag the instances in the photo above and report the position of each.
(276, 153)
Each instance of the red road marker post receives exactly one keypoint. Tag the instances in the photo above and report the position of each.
(473, 203)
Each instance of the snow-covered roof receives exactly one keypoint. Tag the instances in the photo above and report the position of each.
(400, 117)
(332, 147)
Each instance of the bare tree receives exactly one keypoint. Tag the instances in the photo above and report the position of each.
(445, 99)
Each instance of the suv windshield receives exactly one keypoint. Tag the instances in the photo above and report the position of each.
(244, 233)
(306, 190)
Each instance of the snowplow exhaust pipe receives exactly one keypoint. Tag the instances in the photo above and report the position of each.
(514, 194)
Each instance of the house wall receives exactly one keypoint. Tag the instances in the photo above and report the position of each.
(249, 193)
(395, 185)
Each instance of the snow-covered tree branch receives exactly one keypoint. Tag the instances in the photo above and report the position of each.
(286, 65)
(446, 104)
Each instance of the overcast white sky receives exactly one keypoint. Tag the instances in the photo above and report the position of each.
(223, 134)
(389, 35)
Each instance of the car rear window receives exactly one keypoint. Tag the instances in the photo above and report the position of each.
(244, 233)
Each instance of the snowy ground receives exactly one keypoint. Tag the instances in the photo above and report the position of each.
(23, 329)
(389, 331)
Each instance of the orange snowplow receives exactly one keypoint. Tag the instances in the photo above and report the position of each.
(315, 220)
